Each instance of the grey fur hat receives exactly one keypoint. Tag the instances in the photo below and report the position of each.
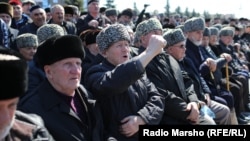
(227, 31)
(173, 36)
(206, 32)
(26, 40)
(48, 30)
(147, 26)
(214, 31)
(112, 34)
(194, 24)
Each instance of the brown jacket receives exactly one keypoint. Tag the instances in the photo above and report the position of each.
(28, 127)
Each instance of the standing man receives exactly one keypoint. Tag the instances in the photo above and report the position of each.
(93, 19)
(58, 17)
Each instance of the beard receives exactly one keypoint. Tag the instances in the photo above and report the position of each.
(6, 129)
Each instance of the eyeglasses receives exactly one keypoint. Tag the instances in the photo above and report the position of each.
(180, 46)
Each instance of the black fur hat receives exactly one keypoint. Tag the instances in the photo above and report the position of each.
(58, 48)
(13, 74)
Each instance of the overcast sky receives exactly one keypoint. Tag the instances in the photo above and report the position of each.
(240, 8)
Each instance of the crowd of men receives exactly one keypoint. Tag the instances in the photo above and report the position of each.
(100, 75)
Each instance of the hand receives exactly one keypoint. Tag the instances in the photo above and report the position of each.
(227, 56)
(156, 44)
(130, 125)
(211, 64)
(93, 23)
(194, 112)
(208, 99)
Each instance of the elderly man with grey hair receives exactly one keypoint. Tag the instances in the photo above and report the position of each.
(194, 28)
(166, 74)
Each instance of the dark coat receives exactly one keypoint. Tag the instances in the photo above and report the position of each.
(82, 23)
(28, 28)
(124, 90)
(164, 72)
(193, 53)
(69, 27)
(61, 121)
(28, 127)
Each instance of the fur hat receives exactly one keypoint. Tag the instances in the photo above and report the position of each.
(127, 12)
(173, 36)
(206, 32)
(214, 31)
(26, 40)
(6, 8)
(48, 30)
(58, 48)
(194, 24)
(147, 26)
(227, 31)
(68, 10)
(112, 34)
(13, 73)
(111, 12)
(181, 26)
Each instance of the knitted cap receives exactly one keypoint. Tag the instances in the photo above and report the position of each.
(206, 32)
(214, 31)
(6, 8)
(112, 34)
(26, 40)
(194, 24)
(147, 26)
(227, 31)
(14, 73)
(58, 48)
(48, 30)
(173, 36)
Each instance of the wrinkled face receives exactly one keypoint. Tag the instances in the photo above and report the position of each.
(177, 51)
(28, 52)
(7, 115)
(38, 16)
(195, 37)
(117, 53)
(64, 75)
(6, 18)
(58, 15)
